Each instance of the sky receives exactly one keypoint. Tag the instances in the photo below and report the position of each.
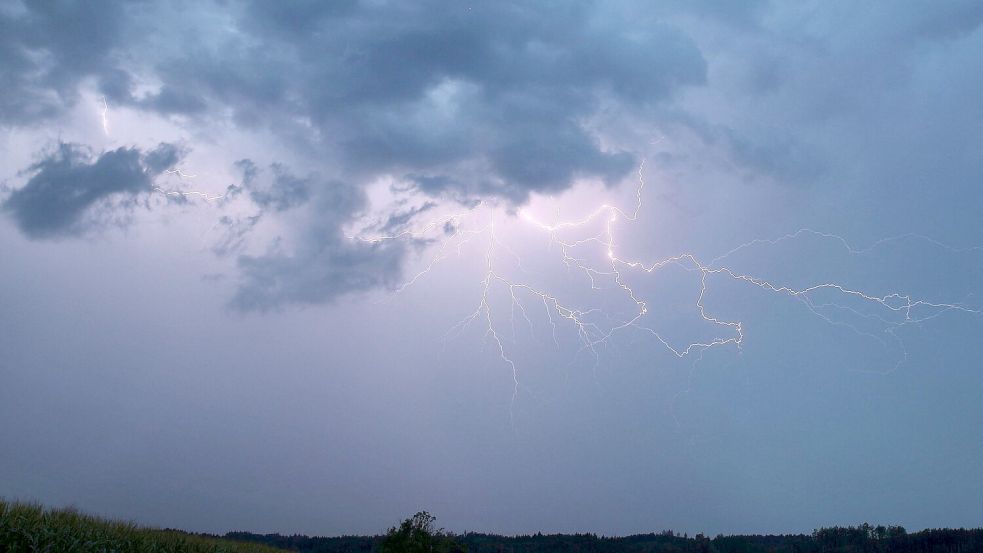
(612, 267)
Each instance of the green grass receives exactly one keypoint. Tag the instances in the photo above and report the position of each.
(26, 527)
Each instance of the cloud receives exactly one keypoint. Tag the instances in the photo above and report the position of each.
(48, 48)
(467, 101)
(502, 92)
(66, 184)
(500, 100)
(324, 264)
(316, 274)
(283, 192)
(234, 231)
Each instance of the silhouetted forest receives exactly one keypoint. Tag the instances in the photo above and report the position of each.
(854, 539)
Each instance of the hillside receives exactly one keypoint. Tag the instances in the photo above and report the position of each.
(29, 528)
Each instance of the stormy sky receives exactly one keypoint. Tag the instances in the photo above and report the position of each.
(547, 266)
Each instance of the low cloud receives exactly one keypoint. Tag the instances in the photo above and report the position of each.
(323, 264)
(279, 193)
(317, 274)
(69, 182)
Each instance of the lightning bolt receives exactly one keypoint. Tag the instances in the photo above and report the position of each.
(595, 327)
(187, 193)
(105, 116)
(180, 174)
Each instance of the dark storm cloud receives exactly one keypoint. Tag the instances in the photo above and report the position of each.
(291, 18)
(467, 100)
(473, 100)
(46, 48)
(502, 90)
(67, 183)
(168, 101)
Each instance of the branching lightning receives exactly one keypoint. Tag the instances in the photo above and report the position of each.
(187, 193)
(595, 327)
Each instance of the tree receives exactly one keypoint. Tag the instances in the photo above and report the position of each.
(419, 534)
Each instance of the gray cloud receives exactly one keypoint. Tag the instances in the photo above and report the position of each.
(473, 100)
(67, 183)
(47, 48)
(502, 90)
(325, 264)
(234, 231)
(468, 101)
(280, 193)
(399, 219)
(317, 274)
(500, 100)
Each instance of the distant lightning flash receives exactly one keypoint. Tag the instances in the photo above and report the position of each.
(612, 273)
(105, 116)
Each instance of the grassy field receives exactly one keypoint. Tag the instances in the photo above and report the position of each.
(32, 528)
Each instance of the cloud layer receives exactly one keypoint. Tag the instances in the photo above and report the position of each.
(496, 101)
(460, 102)
(489, 99)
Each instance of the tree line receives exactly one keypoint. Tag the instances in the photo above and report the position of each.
(419, 534)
